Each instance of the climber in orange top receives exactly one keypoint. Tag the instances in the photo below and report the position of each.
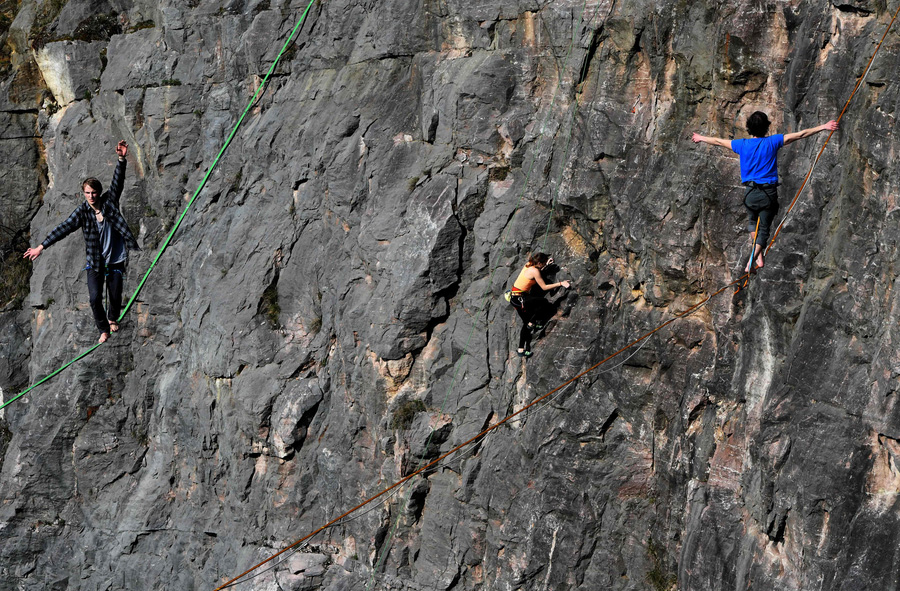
(759, 173)
(533, 309)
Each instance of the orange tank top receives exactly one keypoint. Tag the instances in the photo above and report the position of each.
(523, 283)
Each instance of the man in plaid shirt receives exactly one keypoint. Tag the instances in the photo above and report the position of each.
(107, 239)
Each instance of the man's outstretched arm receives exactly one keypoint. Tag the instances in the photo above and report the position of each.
(69, 225)
(799, 135)
(715, 141)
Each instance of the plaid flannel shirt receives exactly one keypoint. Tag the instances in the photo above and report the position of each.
(83, 217)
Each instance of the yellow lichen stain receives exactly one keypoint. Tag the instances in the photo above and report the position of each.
(528, 36)
(477, 574)
(395, 373)
(41, 317)
(143, 318)
(576, 243)
(261, 466)
(883, 480)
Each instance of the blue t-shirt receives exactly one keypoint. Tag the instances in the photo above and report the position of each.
(759, 162)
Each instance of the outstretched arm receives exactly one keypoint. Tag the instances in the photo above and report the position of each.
(69, 225)
(118, 180)
(715, 141)
(799, 135)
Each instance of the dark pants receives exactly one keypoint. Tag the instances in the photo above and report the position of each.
(761, 202)
(114, 277)
(532, 309)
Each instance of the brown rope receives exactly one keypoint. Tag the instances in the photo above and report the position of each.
(687, 312)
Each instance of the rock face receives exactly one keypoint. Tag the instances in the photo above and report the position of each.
(329, 317)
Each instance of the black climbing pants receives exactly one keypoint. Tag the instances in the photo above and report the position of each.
(761, 202)
(533, 310)
(114, 278)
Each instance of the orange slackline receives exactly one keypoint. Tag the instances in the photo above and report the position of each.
(483, 433)
(687, 312)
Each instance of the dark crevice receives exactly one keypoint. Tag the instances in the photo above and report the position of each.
(860, 10)
(608, 423)
(776, 530)
(21, 111)
(589, 57)
(416, 504)
(381, 535)
(456, 580)
(302, 427)
(431, 133)
(697, 411)
(269, 306)
(449, 292)
(636, 46)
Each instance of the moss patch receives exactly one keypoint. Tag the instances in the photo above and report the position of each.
(269, 306)
(99, 27)
(145, 24)
(7, 14)
(8, 11)
(658, 578)
(5, 438)
(15, 275)
(405, 413)
(42, 25)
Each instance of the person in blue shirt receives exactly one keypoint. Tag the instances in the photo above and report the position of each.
(759, 173)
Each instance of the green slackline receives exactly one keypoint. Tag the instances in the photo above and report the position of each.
(183, 213)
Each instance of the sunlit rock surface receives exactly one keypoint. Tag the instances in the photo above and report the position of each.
(330, 315)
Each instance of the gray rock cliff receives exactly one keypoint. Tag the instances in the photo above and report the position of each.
(329, 317)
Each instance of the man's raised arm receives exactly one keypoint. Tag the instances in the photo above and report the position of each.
(118, 180)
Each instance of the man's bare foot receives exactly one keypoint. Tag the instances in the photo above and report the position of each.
(103, 337)
(113, 326)
(760, 263)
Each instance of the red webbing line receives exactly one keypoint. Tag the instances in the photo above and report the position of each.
(580, 375)
(483, 433)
